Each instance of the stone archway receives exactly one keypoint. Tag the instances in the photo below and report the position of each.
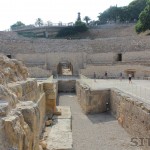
(65, 68)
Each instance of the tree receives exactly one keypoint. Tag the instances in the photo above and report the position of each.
(135, 8)
(79, 17)
(143, 23)
(39, 22)
(127, 13)
(79, 27)
(17, 25)
(86, 19)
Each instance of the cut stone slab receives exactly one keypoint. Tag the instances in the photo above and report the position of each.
(65, 112)
(59, 140)
(60, 135)
(62, 125)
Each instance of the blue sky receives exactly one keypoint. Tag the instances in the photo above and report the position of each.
(55, 11)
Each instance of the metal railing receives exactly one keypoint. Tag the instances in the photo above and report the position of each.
(43, 26)
(133, 89)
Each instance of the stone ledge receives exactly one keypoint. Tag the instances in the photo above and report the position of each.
(65, 112)
(60, 134)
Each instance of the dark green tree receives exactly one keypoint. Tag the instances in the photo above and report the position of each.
(79, 27)
(87, 19)
(39, 22)
(18, 24)
(127, 13)
(143, 23)
(135, 8)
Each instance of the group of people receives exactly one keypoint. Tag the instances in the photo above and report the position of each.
(120, 76)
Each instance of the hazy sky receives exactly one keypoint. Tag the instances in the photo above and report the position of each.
(66, 11)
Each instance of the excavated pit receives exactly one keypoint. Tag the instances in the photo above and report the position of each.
(131, 113)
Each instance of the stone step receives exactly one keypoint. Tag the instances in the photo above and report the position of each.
(60, 134)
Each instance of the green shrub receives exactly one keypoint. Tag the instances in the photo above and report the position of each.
(72, 30)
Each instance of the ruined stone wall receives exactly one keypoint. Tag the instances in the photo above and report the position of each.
(66, 86)
(51, 60)
(51, 90)
(100, 57)
(132, 114)
(136, 56)
(92, 101)
(11, 44)
(22, 107)
(23, 122)
(96, 62)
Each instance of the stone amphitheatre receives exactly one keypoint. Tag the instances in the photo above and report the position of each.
(50, 101)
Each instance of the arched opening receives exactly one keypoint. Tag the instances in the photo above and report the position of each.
(65, 68)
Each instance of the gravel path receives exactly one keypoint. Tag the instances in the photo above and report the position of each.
(95, 132)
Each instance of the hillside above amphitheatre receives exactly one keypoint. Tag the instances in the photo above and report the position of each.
(107, 38)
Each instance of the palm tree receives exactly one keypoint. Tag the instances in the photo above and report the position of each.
(39, 22)
(87, 19)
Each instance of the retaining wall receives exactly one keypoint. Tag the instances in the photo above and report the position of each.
(132, 114)
(66, 86)
(23, 112)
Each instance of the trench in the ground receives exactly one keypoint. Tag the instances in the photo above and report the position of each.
(95, 132)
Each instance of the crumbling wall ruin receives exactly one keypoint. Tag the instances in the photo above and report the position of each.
(131, 113)
(22, 107)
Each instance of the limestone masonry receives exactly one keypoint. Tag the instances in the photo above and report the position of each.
(24, 106)
(113, 49)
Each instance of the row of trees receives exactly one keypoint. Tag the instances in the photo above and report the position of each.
(128, 13)
(136, 10)
(143, 23)
(39, 22)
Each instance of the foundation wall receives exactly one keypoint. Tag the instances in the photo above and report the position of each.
(132, 114)
(66, 86)
(92, 101)
(22, 124)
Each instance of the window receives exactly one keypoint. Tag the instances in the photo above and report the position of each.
(119, 57)
(9, 56)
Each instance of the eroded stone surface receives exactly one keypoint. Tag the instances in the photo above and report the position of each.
(22, 107)
(60, 135)
(11, 70)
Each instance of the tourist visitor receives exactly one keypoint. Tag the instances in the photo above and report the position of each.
(120, 76)
(106, 75)
(130, 77)
(94, 76)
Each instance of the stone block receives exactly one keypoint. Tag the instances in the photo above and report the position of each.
(50, 105)
(31, 116)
